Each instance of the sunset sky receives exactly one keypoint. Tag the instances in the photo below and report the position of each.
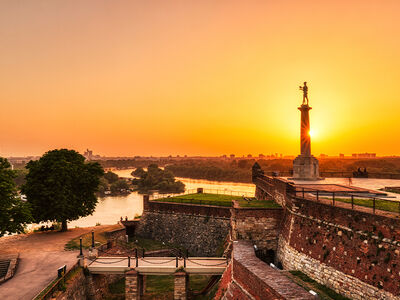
(198, 77)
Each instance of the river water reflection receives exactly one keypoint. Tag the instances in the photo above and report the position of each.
(111, 208)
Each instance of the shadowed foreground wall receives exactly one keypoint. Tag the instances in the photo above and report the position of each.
(247, 277)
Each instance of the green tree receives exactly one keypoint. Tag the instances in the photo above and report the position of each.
(118, 186)
(111, 177)
(61, 186)
(15, 213)
(138, 172)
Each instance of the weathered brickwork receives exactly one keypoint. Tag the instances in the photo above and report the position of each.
(354, 252)
(253, 279)
(347, 285)
(132, 289)
(258, 225)
(76, 288)
(180, 286)
(201, 235)
(358, 244)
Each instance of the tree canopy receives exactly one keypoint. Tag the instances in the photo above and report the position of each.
(158, 179)
(15, 213)
(61, 186)
(111, 177)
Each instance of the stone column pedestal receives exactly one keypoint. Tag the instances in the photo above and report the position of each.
(306, 168)
(133, 285)
(181, 283)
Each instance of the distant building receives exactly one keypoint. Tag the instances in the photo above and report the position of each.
(364, 155)
(323, 155)
(232, 156)
(88, 154)
(249, 156)
(261, 155)
(341, 155)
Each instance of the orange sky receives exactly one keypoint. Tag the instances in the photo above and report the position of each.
(198, 77)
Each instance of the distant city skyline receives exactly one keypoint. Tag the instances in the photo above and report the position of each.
(198, 77)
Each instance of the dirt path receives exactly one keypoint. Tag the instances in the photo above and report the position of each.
(41, 254)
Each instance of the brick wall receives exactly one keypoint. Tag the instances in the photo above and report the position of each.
(258, 225)
(253, 279)
(355, 253)
(353, 250)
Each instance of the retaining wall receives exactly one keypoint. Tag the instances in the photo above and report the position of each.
(353, 252)
(247, 277)
(259, 225)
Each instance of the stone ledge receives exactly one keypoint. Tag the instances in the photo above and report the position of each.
(259, 279)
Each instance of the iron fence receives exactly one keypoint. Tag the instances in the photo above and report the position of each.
(354, 199)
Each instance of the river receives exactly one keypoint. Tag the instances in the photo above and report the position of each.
(110, 209)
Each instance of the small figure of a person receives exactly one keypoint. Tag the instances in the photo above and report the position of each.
(350, 181)
(305, 92)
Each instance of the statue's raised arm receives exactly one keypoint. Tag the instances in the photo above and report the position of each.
(305, 93)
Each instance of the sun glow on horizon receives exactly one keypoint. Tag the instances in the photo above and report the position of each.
(198, 77)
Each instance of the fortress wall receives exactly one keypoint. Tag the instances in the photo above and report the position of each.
(352, 252)
(247, 277)
(258, 225)
(200, 229)
(183, 208)
(271, 188)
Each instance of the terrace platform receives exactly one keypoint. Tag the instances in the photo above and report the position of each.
(340, 189)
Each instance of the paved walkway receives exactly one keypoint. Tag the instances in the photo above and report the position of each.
(41, 254)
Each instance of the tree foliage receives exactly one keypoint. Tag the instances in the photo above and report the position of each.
(158, 179)
(61, 186)
(111, 177)
(14, 213)
(138, 172)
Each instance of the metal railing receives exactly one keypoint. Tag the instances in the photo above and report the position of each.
(133, 261)
(205, 191)
(57, 283)
(354, 199)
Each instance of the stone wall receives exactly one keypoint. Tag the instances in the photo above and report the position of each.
(76, 288)
(247, 277)
(82, 287)
(353, 252)
(258, 225)
(201, 235)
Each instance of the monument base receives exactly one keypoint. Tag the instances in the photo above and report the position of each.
(306, 168)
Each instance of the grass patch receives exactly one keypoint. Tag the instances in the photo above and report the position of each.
(324, 292)
(390, 190)
(379, 204)
(203, 199)
(117, 287)
(159, 283)
(148, 244)
(198, 282)
(99, 238)
(259, 203)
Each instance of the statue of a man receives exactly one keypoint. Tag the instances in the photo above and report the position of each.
(305, 93)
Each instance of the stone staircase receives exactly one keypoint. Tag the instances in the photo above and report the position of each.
(4, 264)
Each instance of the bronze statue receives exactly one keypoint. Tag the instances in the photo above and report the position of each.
(305, 93)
